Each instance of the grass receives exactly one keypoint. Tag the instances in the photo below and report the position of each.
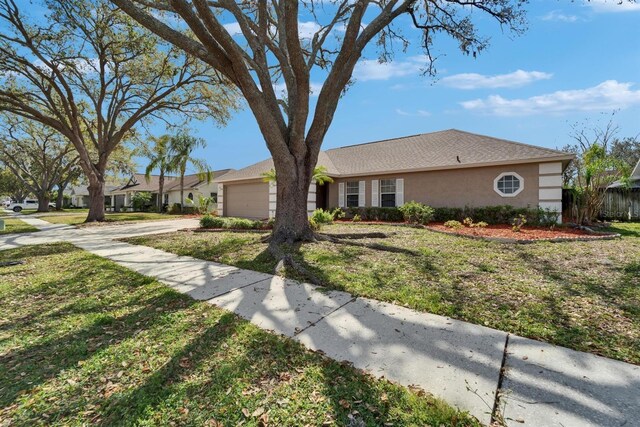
(98, 344)
(581, 295)
(14, 225)
(629, 229)
(75, 219)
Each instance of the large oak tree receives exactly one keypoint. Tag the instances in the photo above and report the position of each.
(271, 52)
(38, 156)
(87, 70)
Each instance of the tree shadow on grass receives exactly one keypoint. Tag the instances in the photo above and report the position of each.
(31, 365)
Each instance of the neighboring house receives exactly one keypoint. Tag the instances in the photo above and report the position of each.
(622, 202)
(80, 195)
(193, 187)
(450, 168)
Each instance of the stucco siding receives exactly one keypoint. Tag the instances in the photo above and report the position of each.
(456, 188)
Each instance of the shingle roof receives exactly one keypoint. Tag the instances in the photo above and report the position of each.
(447, 149)
(138, 182)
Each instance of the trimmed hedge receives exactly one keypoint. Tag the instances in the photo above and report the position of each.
(376, 214)
(209, 221)
(502, 214)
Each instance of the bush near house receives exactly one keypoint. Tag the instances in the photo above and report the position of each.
(502, 214)
(141, 201)
(375, 214)
(209, 221)
(416, 213)
(320, 216)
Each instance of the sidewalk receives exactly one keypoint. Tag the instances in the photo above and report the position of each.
(465, 364)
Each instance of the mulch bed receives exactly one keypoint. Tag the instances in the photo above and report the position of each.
(528, 234)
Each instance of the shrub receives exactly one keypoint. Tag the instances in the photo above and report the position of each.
(502, 214)
(356, 218)
(376, 214)
(480, 224)
(518, 222)
(320, 216)
(338, 213)
(453, 224)
(416, 213)
(209, 221)
(243, 224)
(175, 209)
(468, 222)
(141, 200)
(314, 225)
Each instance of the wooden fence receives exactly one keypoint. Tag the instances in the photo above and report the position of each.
(622, 205)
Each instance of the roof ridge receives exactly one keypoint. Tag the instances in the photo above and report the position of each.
(376, 142)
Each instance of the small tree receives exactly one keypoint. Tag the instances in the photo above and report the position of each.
(594, 169)
(141, 200)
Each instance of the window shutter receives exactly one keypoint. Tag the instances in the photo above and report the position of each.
(374, 193)
(361, 193)
(399, 192)
(341, 194)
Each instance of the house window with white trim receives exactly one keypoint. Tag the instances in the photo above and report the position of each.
(388, 193)
(214, 197)
(352, 194)
(508, 184)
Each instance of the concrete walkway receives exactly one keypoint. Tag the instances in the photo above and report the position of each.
(472, 367)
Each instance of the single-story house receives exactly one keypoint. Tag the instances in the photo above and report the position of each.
(449, 168)
(80, 195)
(193, 187)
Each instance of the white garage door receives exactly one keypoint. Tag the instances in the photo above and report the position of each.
(247, 200)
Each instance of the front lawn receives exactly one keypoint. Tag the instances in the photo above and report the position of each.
(582, 295)
(14, 225)
(86, 342)
(75, 218)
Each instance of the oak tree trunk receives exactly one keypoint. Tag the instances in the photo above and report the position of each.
(43, 201)
(96, 199)
(60, 197)
(292, 222)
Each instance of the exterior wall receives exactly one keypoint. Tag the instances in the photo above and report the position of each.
(550, 187)
(454, 188)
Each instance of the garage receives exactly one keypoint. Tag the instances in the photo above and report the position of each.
(247, 200)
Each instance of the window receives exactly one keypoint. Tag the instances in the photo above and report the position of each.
(166, 198)
(214, 197)
(388, 193)
(353, 191)
(190, 196)
(508, 184)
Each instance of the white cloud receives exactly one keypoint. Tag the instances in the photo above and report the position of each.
(518, 78)
(614, 6)
(557, 15)
(372, 69)
(417, 113)
(606, 96)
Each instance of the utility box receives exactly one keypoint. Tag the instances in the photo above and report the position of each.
(1, 224)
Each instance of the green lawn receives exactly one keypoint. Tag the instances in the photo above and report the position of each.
(582, 295)
(14, 225)
(75, 219)
(629, 229)
(97, 344)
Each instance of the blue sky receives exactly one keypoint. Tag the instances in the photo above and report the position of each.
(577, 61)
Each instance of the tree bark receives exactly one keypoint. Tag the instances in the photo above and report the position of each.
(60, 198)
(96, 199)
(43, 201)
(292, 222)
(181, 192)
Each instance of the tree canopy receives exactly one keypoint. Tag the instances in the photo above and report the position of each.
(91, 73)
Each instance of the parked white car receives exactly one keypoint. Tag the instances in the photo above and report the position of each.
(27, 204)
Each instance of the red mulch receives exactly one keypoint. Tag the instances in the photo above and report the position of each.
(526, 233)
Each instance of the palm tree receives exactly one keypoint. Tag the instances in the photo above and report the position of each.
(181, 147)
(319, 175)
(159, 158)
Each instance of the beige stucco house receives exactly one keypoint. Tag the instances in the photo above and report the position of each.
(449, 168)
(194, 186)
